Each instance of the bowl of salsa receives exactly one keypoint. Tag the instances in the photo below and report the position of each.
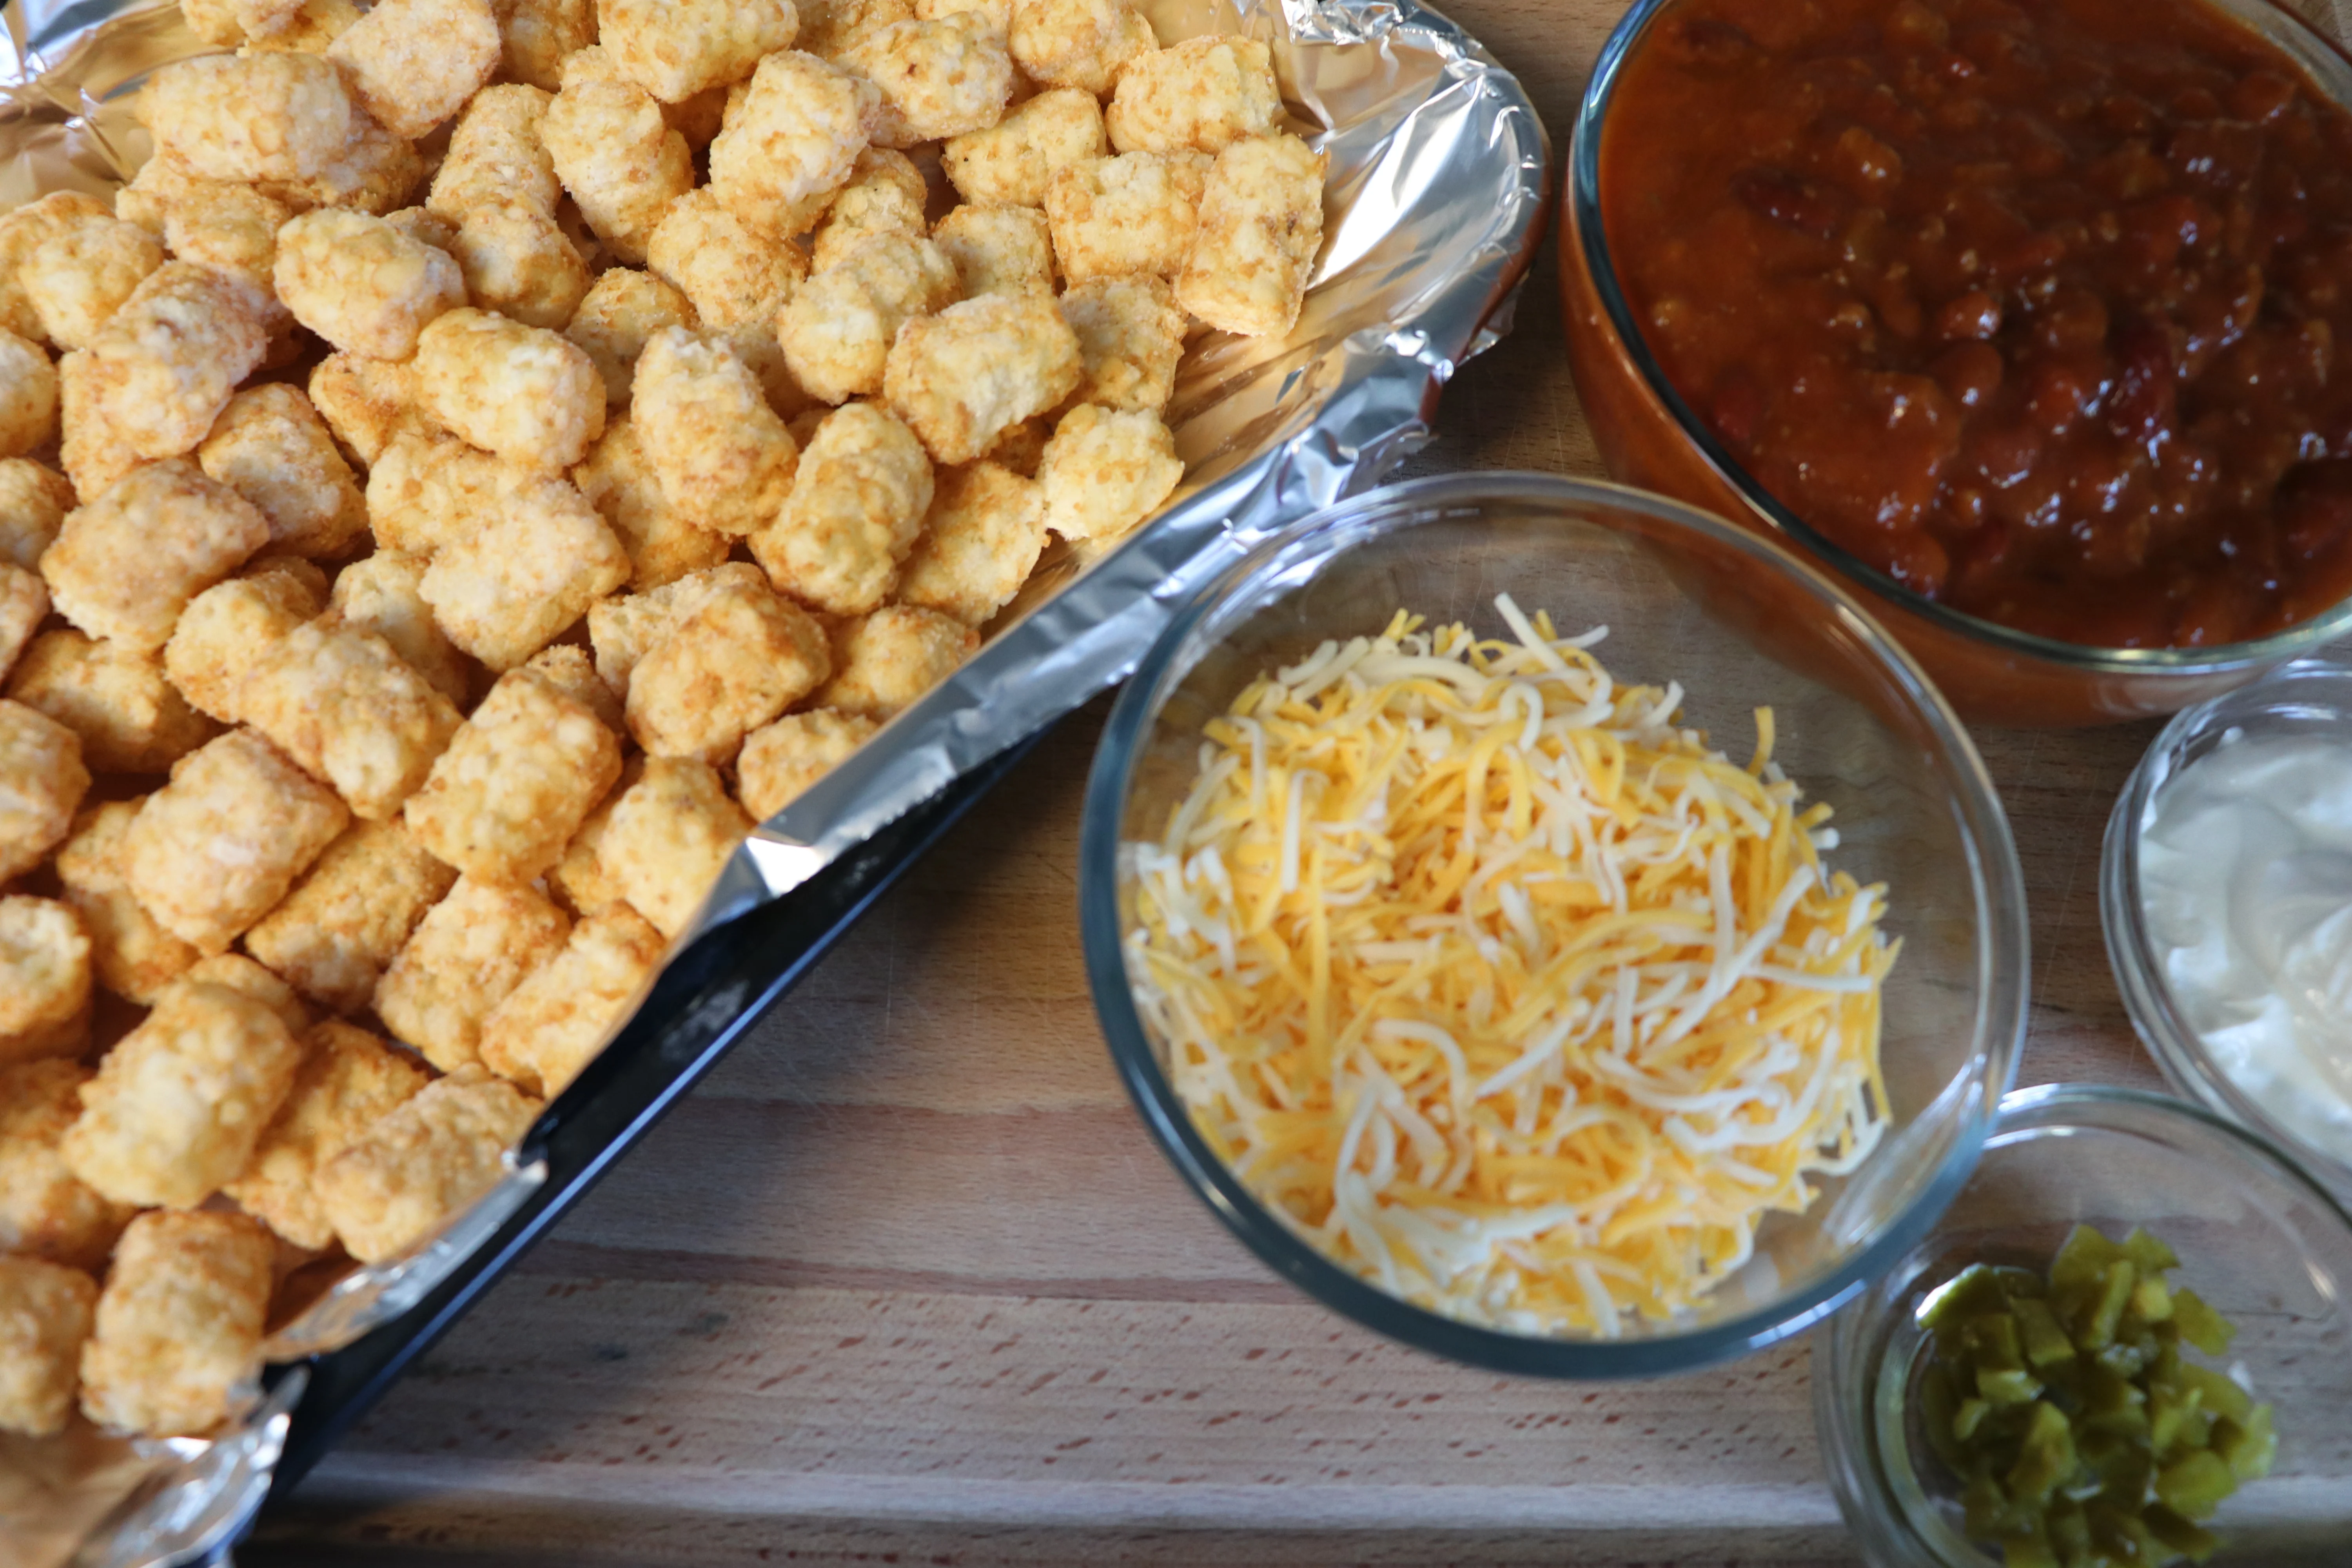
(2025, 319)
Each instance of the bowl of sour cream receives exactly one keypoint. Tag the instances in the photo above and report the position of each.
(2226, 893)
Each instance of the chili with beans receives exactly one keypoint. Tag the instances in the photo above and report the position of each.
(2035, 309)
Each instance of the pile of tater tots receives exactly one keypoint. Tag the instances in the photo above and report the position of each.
(492, 453)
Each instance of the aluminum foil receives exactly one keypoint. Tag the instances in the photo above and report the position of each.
(1437, 189)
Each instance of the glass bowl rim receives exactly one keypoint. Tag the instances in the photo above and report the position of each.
(1287, 559)
(1583, 197)
(2149, 1002)
(1843, 1393)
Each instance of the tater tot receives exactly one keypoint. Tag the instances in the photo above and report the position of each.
(250, 117)
(734, 275)
(42, 780)
(126, 564)
(664, 545)
(669, 834)
(225, 629)
(579, 881)
(998, 250)
(178, 1104)
(385, 594)
(166, 362)
(350, 711)
(675, 48)
(232, 228)
(884, 195)
(235, 971)
(469, 951)
(270, 447)
(432, 1155)
(614, 321)
(1133, 213)
(568, 668)
(1130, 337)
(178, 1327)
(24, 604)
(998, 12)
(361, 284)
(233, 22)
(619, 160)
(837, 327)
(791, 140)
(377, 173)
(45, 979)
(523, 771)
(858, 502)
(29, 396)
(780, 760)
(884, 661)
(722, 670)
(79, 279)
(981, 540)
(1105, 471)
(963, 377)
(525, 576)
(938, 78)
(1083, 44)
(132, 954)
(535, 34)
(412, 64)
(45, 1310)
(94, 453)
(314, 25)
(525, 393)
(1261, 225)
(427, 491)
(44, 1209)
(496, 156)
(130, 718)
(724, 460)
(830, 28)
(33, 500)
(366, 402)
(625, 628)
(217, 849)
(555, 1022)
(1204, 94)
(349, 1082)
(24, 230)
(518, 262)
(351, 915)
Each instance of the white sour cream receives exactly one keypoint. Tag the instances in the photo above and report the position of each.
(2246, 880)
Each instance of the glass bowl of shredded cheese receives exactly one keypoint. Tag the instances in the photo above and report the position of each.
(1551, 925)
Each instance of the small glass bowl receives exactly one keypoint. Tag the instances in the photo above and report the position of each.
(2258, 1238)
(1740, 622)
(2310, 697)
(1650, 435)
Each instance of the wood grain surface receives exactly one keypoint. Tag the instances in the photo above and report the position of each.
(906, 1280)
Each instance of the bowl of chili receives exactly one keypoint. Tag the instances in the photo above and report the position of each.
(2023, 320)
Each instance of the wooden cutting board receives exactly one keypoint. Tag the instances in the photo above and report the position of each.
(906, 1281)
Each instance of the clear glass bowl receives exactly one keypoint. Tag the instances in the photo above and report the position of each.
(2257, 1238)
(1740, 622)
(2309, 697)
(1649, 436)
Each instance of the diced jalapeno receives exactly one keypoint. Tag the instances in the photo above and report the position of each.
(2065, 1406)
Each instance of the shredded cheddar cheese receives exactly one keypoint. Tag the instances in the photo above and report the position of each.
(1507, 993)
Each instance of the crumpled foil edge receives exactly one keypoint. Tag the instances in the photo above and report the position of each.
(1425, 263)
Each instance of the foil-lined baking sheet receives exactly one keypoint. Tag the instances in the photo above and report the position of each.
(1437, 187)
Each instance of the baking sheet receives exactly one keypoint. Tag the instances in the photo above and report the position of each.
(1438, 184)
